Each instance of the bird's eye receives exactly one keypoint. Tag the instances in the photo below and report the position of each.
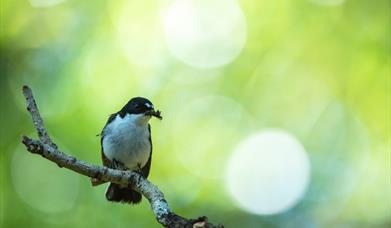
(148, 105)
(136, 105)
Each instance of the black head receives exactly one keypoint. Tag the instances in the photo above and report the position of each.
(140, 105)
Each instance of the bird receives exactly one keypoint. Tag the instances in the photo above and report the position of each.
(126, 145)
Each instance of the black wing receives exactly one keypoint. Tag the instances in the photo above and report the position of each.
(147, 166)
(106, 162)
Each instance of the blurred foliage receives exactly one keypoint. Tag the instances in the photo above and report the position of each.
(320, 69)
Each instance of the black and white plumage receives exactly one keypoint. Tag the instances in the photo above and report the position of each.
(126, 144)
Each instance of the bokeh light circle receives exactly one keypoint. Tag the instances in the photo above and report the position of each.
(45, 71)
(139, 32)
(205, 34)
(268, 173)
(41, 184)
(338, 166)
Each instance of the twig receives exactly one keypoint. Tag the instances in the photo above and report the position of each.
(37, 119)
(47, 149)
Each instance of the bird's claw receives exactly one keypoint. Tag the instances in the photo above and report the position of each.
(118, 165)
(139, 171)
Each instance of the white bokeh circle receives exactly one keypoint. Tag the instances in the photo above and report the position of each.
(206, 33)
(268, 173)
(41, 184)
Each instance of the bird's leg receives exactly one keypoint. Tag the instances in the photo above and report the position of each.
(139, 171)
(118, 165)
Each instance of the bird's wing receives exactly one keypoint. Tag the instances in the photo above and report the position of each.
(147, 166)
(106, 162)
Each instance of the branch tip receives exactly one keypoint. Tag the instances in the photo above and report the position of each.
(26, 91)
(25, 140)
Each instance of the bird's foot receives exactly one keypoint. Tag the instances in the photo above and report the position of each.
(139, 171)
(118, 165)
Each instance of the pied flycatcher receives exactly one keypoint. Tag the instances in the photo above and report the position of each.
(126, 144)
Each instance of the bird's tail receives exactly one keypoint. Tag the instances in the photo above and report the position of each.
(116, 193)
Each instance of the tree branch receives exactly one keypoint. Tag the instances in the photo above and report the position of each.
(37, 119)
(47, 149)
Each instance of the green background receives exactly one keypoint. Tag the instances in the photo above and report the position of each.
(320, 72)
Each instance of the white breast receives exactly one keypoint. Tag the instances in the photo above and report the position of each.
(127, 140)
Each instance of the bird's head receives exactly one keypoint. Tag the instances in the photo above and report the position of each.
(142, 108)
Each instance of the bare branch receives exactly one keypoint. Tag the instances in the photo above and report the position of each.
(37, 120)
(47, 149)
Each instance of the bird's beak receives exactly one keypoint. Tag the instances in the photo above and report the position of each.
(154, 113)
